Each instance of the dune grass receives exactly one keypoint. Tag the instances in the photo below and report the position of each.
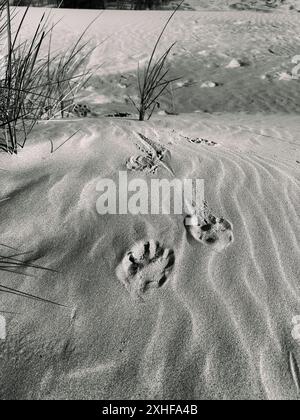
(21, 76)
(153, 81)
(16, 262)
(67, 74)
(35, 84)
(32, 85)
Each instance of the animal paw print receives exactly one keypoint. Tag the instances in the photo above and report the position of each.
(145, 268)
(150, 147)
(81, 110)
(153, 156)
(119, 115)
(142, 164)
(198, 140)
(203, 141)
(204, 227)
(296, 328)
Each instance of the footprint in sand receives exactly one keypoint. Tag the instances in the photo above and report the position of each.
(142, 164)
(153, 155)
(145, 268)
(209, 230)
(82, 110)
(202, 141)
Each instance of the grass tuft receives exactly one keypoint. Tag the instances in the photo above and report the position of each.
(34, 85)
(153, 80)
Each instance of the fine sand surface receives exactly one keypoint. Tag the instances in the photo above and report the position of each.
(257, 5)
(221, 325)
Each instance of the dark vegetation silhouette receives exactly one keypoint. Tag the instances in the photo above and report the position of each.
(96, 4)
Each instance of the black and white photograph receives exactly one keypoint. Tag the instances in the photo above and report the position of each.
(149, 203)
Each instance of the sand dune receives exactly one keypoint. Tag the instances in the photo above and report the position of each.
(215, 322)
(219, 316)
(256, 5)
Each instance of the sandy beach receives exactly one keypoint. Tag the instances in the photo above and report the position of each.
(219, 318)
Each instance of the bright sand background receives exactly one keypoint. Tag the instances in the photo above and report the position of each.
(221, 327)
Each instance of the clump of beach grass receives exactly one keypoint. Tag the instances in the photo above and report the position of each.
(153, 80)
(34, 85)
(21, 77)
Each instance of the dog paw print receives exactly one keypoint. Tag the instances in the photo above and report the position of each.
(145, 268)
(212, 231)
(153, 155)
(141, 164)
(81, 110)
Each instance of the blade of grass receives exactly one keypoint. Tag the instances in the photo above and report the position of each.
(152, 82)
